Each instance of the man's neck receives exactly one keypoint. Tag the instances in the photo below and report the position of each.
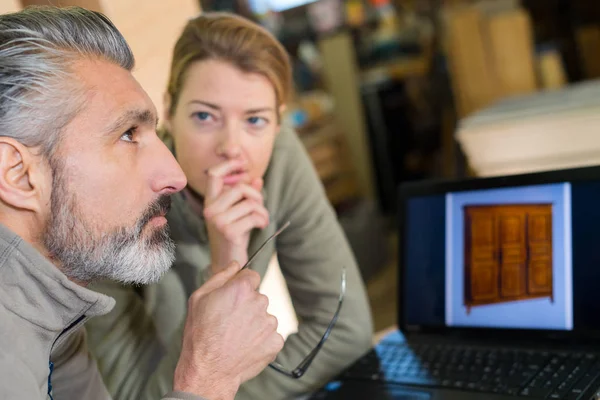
(28, 229)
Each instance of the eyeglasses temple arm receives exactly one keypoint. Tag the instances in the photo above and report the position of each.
(303, 366)
(262, 246)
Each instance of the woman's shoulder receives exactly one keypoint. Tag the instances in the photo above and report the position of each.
(287, 154)
(287, 137)
(291, 172)
(288, 151)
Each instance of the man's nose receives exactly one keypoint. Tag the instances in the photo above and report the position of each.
(169, 177)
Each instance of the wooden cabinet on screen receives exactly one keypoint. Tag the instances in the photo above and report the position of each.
(508, 253)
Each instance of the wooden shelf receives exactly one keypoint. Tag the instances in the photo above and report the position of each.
(327, 148)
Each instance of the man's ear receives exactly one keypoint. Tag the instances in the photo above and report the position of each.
(166, 111)
(21, 180)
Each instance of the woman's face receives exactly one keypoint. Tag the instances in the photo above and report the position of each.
(222, 114)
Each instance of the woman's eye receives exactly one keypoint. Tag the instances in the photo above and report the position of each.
(202, 116)
(257, 121)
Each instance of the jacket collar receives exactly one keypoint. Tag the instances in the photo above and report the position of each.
(35, 290)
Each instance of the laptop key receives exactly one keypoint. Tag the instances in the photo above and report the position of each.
(565, 386)
(535, 392)
(583, 385)
(414, 380)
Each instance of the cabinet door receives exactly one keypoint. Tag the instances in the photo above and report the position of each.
(513, 251)
(482, 250)
(539, 280)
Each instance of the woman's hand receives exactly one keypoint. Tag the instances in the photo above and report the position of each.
(231, 212)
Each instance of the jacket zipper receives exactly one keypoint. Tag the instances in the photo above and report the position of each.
(77, 322)
(51, 364)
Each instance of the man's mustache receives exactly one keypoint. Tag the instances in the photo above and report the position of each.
(160, 206)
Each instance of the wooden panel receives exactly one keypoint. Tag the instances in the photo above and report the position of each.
(490, 52)
(512, 53)
(513, 253)
(588, 43)
(484, 280)
(472, 77)
(482, 243)
(508, 253)
(551, 72)
(540, 253)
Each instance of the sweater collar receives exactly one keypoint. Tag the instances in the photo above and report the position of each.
(37, 291)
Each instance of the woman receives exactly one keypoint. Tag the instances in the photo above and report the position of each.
(247, 176)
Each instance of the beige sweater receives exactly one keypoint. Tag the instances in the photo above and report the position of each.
(140, 340)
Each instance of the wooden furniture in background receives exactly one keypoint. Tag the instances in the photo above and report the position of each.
(550, 70)
(470, 70)
(327, 147)
(510, 36)
(588, 43)
(490, 53)
(508, 253)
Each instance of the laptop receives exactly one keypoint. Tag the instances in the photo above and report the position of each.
(499, 293)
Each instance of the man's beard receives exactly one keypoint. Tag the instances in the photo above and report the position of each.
(124, 254)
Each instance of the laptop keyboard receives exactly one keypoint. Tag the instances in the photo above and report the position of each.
(522, 373)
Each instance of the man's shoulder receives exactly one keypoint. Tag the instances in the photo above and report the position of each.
(18, 379)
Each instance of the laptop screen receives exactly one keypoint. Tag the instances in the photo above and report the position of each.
(493, 254)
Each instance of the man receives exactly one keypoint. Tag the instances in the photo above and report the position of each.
(84, 188)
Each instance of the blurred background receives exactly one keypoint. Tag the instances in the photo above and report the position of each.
(389, 91)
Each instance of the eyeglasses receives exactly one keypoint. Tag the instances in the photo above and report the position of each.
(299, 371)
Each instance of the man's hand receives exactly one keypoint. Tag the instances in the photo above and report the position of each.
(231, 212)
(228, 337)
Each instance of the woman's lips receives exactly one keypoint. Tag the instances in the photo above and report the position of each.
(235, 177)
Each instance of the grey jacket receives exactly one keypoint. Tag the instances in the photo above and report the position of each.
(43, 351)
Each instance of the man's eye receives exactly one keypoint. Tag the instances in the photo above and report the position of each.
(128, 135)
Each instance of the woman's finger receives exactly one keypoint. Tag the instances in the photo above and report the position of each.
(240, 210)
(214, 184)
(228, 198)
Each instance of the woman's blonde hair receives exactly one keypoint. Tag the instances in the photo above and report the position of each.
(230, 38)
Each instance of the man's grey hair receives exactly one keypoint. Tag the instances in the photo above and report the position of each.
(39, 90)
